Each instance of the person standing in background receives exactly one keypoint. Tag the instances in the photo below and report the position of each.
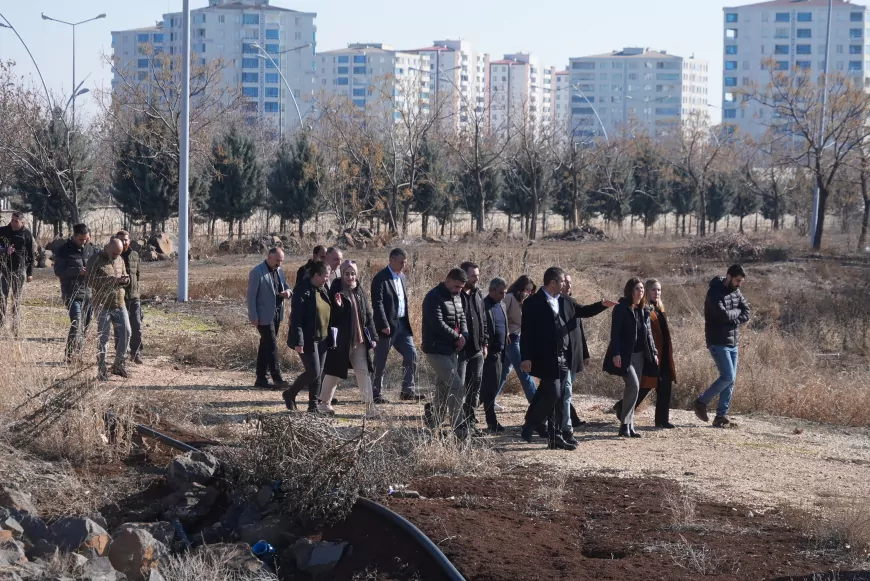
(267, 291)
(70, 266)
(317, 255)
(16, 267)
(497, 323)
(471, 358)
(132, 296)
(393, 323)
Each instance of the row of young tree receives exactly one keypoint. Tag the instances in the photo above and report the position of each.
(411, 156)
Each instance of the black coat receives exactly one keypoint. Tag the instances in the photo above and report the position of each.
(442, 316)
(488, 306)
(68, 262)
(302, 273)
(341, 317)
(22, 258)
(385, 302)
(478, 333)
(574, 313)
(542, 339)
(303, 314)
(724, 311)
(623, 337)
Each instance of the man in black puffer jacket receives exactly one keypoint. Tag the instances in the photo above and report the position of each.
(16, 267)
(445, 333)
(724, 311)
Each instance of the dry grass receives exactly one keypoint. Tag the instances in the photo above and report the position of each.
(549, 496)
(698, 559)
(212, 565)
(843, 529)
(681, 507)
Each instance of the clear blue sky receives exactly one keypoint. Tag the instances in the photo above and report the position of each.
(552, 29)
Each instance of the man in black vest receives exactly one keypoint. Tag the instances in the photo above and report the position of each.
(544, 346)
(472, 356)
(497, 325)
(16, 267)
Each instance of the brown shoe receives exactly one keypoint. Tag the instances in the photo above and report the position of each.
(722, 422)
(137, 359)
(701, 411)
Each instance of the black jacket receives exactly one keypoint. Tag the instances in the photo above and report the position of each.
(341, 317)
(724, 311)
(478, 332)
(488, 306)
(544, 337)
(385, 301)
(22, 259)
(68, 261)
(131, 261)
(302, 273)
(574, 313)
(623, 337)
(303, 314)
(442, 316)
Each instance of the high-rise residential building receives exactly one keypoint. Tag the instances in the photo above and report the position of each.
(230, 30)
(635, 87)
(375, 78)
(519, 91)
(786, 35)
(561, 102)
(457, 79)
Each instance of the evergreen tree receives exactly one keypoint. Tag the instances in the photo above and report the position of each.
(653, 188)
(293, 181)
(682, 199)
(470, 193)
(431, 197)
(720, 197)
(745, 203)
(236, 189)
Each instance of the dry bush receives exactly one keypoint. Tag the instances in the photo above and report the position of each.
(698, 559)
(449, 457)
(212, 565)
(549, 496)
(733, 247)
(226, 287)
(681, 508)
(843, 529)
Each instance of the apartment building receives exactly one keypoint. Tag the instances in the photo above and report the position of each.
(231, 30)
(635, 88)
(457, 79)
(375, 78)
(519, 89)
(561, 100)
(787, 35)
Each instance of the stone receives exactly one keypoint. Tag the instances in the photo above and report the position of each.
(154, 575)
(16, 501)
(235, 556)
(195, 506)
(79, 534)
(162, 243)
(272, 529)
(99, 519)
(162, 531)
(135, 552)
(301, 552)
(34, 528)
(42, 549)
(11, 525)
(100, 569)
(213, 534)
(55, 245)
(189, 468)
(405, 494)
(264, 496)
(162, 257)
(148, 255)
(225, 246)
(12, 553)
(325, 557)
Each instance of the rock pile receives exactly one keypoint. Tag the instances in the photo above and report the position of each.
(730, 246)
(260, 243)
(361, 239)
(581, 234)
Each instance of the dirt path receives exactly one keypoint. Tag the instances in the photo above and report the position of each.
(763, 462)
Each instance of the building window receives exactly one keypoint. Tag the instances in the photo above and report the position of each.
(341, 81)
(343, 70)
(359, 92)
(731, 49)
(158, 38)
(251, 92)
(270, 65)
(272, 34)
(804, 64)
(272, 78)
(781, 66)
(855, 65)
(142, 63)
(730, 113)
(730, 98)
(730, 65)
(360, 70)
(856, 17)
(582, 65)
(730, 33)
(803, 49)
(804, 16)
(781, 33)
(855, 33)
(361, 103)
(731, 17)
(344, 59)
(272, 92)
(250, 19)
(248, 48)
(250, 77)
(804, 33)
(780, 49)
(730, 81)
(782, 17)
(249, 63)
(272, 106)
(359, 58)
(142, 37)
(221, 18)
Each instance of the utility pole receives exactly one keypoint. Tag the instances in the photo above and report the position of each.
(184, 159)
(820, 147)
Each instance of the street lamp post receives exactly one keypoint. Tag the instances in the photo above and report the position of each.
(30, 54)
(75, 89)
(264, 55)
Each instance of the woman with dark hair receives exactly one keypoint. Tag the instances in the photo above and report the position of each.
(517, 293)
(309, 333)
(662, 377)
(631, 350)
(352, 318)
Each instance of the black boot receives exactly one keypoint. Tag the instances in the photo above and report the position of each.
(624, 431)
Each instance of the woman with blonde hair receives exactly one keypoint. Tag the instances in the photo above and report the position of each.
(665, 374)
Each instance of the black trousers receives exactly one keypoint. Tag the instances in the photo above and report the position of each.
(134, 309)
(543, 409)
(267, 353)
(472, 370)
(492, 367)
(663, 400)
(313, 359)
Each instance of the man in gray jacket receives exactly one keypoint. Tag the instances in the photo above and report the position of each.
(267, 290)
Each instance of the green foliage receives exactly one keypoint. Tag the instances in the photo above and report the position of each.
(237, 187)
(293, 181)
(433, 195)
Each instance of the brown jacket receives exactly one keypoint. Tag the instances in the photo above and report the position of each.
(104, 274)
(514, 310)
(664, 345)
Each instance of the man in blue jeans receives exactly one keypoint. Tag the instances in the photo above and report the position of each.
(724, 311)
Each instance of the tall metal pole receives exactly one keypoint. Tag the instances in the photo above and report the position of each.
(820, 146)
(184, 159)
(74, 84)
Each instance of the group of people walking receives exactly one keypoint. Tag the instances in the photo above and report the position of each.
(473, 335)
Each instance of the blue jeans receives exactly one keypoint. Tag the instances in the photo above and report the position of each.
(726, 362)
(80, 313)
(567, 397)
(513, 360)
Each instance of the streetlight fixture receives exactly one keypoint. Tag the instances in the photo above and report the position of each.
(30, 54)
(75, 87)
(262, 54)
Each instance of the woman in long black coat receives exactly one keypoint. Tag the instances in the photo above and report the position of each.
(352, 317)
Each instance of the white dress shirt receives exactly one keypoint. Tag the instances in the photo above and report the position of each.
(400, 292)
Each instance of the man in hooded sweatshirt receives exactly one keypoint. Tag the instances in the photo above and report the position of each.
(724, 311)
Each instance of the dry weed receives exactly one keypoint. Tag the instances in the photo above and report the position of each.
(843, 529)
(549, 496)
(681, 508)
(212, 565)
(698, 559)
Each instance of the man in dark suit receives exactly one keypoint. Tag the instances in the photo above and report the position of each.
(267, 291)
(317, 255)
(544, 347)
(392, 321)
(496, 323)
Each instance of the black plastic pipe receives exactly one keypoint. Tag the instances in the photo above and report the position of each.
(146, 431)
(431, 548)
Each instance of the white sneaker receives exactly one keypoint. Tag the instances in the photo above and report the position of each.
(497, 407)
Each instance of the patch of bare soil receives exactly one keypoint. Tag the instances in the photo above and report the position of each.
(536, 525)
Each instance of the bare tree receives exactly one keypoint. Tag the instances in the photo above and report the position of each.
(766, 171)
